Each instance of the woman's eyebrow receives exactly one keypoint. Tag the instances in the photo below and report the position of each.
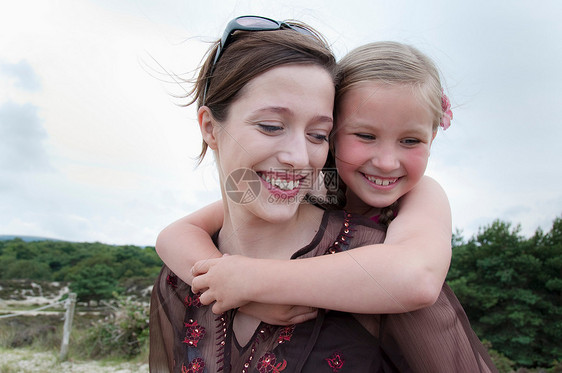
(273, 109)
(319, 118)
(323, 119)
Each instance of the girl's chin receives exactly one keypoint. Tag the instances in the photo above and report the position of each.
(378, 203)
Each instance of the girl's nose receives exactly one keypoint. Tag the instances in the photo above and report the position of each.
(386, 159)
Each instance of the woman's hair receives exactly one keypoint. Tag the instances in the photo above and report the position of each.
(249, 54)
(392, 63)
(388, 63)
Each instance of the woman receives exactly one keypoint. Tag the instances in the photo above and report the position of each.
(273, 118)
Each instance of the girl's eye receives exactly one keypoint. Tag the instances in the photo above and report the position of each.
(365, 136)
(410, 141)
(268, 128)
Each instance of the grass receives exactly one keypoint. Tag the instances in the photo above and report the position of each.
(26, 360)
(38, 339)
(29, 360)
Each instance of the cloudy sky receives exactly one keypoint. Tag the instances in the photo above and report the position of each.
(94, 146)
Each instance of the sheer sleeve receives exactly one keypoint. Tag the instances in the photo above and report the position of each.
(166, 314)
(436, 338)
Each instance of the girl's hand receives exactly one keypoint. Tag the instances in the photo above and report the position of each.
(277, 314)
(225, 281)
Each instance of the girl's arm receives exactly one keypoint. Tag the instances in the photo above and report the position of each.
(403, 274)
(188, 240)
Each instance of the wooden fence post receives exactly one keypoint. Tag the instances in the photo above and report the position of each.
(69, 315)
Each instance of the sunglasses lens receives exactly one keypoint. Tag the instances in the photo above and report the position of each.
(257, 23)
(300, 29)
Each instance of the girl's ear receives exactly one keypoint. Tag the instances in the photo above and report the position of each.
(206, 125)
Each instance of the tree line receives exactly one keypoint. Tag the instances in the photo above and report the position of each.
(94, 271)
(509, 285)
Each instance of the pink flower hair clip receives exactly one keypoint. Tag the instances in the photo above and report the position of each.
(447, 112)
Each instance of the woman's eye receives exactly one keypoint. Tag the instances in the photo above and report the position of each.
(268, 128)
(365, 136)
(319, 137)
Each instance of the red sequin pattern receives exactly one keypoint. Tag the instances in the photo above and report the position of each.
(286, 334)
(193, 333)
(192, 301)
(335, 361)
(268, 363)
(196, 365)
(172, 281)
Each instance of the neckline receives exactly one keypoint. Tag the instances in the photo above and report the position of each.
(242, 349)
(320, 231)
(312, 244)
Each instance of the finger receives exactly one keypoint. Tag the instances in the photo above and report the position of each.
(206, 298)
(304, 317)
(297, 310)
(200, 267)
(199, 284)
(218, 309)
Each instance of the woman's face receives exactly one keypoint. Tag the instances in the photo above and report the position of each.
(278, 128)
(382, 142)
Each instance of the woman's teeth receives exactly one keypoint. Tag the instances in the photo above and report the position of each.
(281, 183)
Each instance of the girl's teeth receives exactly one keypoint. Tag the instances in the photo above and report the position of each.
(383, 182)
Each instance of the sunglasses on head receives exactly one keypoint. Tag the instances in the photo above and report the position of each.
(249, 23)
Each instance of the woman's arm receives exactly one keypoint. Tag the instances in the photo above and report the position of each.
(188, 240)
(403, 274)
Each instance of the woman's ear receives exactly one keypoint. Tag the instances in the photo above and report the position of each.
(207, 127)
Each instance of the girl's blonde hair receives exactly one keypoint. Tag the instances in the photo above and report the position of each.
(388, 63)
(392, 63)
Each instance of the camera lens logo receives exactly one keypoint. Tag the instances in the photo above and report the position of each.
(242, 185)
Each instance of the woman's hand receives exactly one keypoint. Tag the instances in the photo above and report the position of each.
(277, 314)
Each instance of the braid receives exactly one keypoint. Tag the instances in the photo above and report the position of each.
(341, 199)
(388, 214)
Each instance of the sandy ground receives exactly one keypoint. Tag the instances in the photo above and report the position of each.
(27, 361)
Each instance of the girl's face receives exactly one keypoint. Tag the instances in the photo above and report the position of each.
(278, 128)
(382, 142)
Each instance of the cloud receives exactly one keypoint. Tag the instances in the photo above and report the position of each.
(25, 76)
(22, 134)
(76, 97)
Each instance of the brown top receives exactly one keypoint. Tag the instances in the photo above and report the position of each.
(187, 337)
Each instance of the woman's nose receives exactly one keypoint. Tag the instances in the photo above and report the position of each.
(295, 152)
